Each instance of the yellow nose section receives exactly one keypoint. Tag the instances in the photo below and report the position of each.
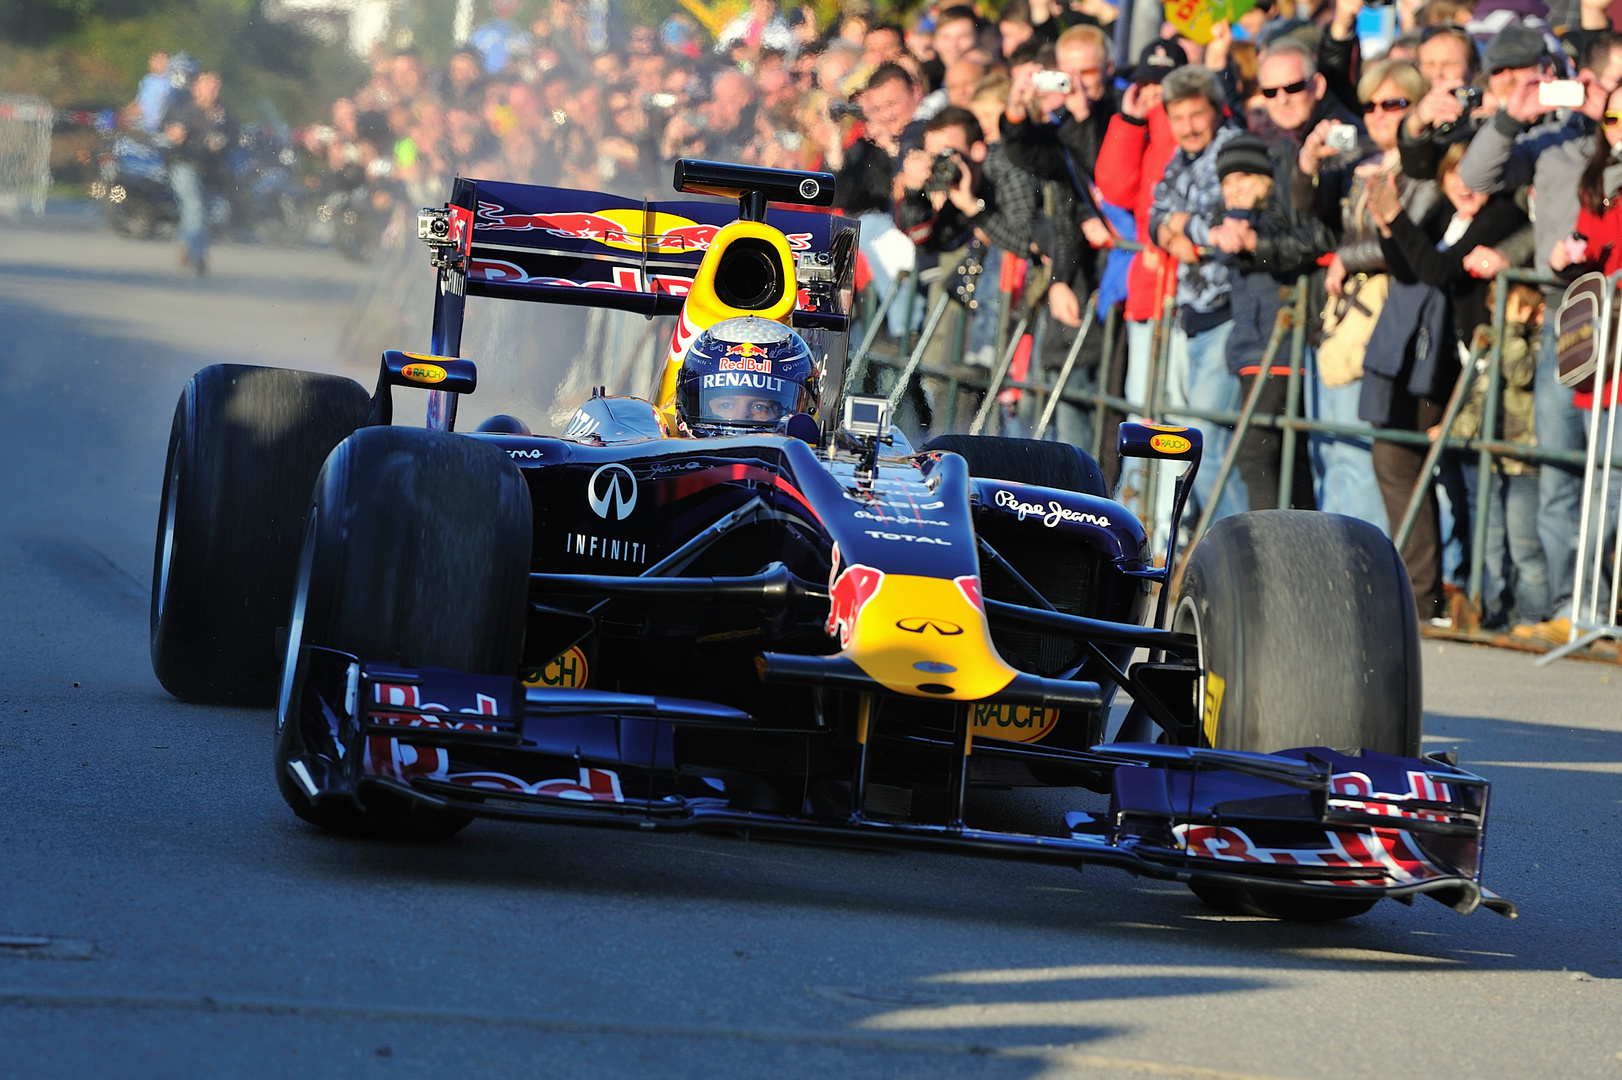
(927, 638)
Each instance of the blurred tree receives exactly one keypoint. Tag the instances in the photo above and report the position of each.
(94, 52)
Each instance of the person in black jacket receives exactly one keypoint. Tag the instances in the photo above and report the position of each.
(200, 132)
(1266, 246)
(950, 206)
(864, 175)
(1432, 252)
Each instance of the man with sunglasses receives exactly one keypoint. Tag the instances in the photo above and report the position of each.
(1295, 94)
(1513, 150)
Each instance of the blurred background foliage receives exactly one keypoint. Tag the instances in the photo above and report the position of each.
(91, 53)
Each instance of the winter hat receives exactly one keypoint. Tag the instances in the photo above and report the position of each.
(1246, 154)
(1515, 46)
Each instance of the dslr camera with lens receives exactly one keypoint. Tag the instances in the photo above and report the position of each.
(944, 173)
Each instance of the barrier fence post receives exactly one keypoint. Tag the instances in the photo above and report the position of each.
(1052, 402)
(1153, 393)
(1231, 455)
(1592, 519)
(1106, 365)
(930, 325)
(858, 364)
(1427, 471)
(994, 386)
(1292, 394)
(1603, 502)
(1489, 432)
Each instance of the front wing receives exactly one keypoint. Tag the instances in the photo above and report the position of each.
(1311, 821)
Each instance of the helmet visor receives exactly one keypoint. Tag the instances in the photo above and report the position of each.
(746, 398)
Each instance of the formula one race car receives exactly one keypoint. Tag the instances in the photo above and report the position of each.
(747, 604)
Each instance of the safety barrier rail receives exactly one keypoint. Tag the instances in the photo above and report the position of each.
(1292, 323)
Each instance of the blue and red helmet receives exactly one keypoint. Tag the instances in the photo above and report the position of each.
(744, 376)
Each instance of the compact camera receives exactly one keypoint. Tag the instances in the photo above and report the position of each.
(1051, 82)
(1469, 97)
(1341, 139)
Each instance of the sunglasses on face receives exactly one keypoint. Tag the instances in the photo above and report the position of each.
(1612, 119)
(1389, 105)
(1291, 90)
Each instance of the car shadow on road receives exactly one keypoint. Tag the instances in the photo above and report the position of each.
(1553, 849)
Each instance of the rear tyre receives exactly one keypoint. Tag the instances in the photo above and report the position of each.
(244, 451)
(1308, 637)
(1027, 461)
(417, 551)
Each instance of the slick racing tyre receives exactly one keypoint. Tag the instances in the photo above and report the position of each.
(244, 451)
(1027, 461)
(417, 551)
(1308, 637)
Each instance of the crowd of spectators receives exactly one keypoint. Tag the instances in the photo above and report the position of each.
(1396, 175)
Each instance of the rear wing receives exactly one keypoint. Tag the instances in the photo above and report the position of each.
(562, 246)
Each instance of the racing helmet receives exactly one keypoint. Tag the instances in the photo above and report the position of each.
(743, 376)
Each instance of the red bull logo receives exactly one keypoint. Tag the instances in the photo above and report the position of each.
(627, 228)
(848, 594)
(746, 357)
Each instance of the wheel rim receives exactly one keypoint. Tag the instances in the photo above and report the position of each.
(170, 502)
(1187, 621)
(295, 623)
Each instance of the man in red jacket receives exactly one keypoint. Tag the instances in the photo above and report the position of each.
(1137, 145)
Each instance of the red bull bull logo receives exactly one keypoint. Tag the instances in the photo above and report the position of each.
(848, 594)
(626, 228)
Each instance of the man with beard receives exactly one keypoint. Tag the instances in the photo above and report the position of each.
(1180, 220)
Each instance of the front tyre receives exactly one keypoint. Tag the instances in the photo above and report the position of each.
(244, 450)
(417, 551)
(1308, 637)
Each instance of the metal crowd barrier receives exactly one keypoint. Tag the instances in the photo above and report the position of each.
(1590, 622)
(1292, 323)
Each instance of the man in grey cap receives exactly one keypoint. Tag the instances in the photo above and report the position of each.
(1529, 143)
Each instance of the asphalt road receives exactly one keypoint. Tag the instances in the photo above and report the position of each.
(163, 914)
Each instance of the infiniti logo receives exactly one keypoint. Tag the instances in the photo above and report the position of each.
(612, 488)
(920, 626)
